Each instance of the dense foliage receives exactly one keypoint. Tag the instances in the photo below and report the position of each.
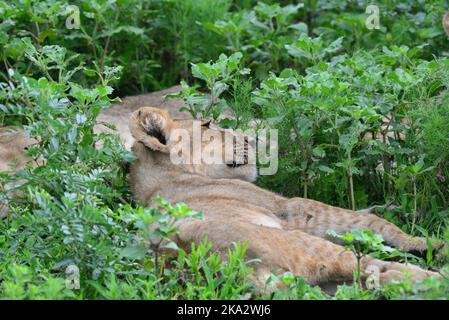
(362, 116)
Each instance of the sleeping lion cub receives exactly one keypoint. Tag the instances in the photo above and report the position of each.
(285, 234)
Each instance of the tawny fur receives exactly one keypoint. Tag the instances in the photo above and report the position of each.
(12, 146)
(285, 234)
(13, 143)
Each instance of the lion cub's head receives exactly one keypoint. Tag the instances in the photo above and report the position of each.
(195, 146)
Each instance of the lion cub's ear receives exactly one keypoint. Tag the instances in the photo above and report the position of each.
(206, 123)
(151, 126)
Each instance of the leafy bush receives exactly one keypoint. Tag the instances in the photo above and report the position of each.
(217, 76)
(261, 34)
(110, 33)
(181, 37)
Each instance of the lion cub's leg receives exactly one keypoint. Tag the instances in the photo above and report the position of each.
(316, 259)
(386, 271)
(317, 218)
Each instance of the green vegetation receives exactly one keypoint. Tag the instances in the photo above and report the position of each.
(362, 117)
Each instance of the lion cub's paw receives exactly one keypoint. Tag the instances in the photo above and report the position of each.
(383, 273)
(419, 246)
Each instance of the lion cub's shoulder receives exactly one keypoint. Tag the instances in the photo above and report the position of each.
(13, 143)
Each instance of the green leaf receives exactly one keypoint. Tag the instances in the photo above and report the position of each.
(325, 169)
(133, 252)
(171, 245)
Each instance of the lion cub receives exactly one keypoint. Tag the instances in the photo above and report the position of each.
(285, 234)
